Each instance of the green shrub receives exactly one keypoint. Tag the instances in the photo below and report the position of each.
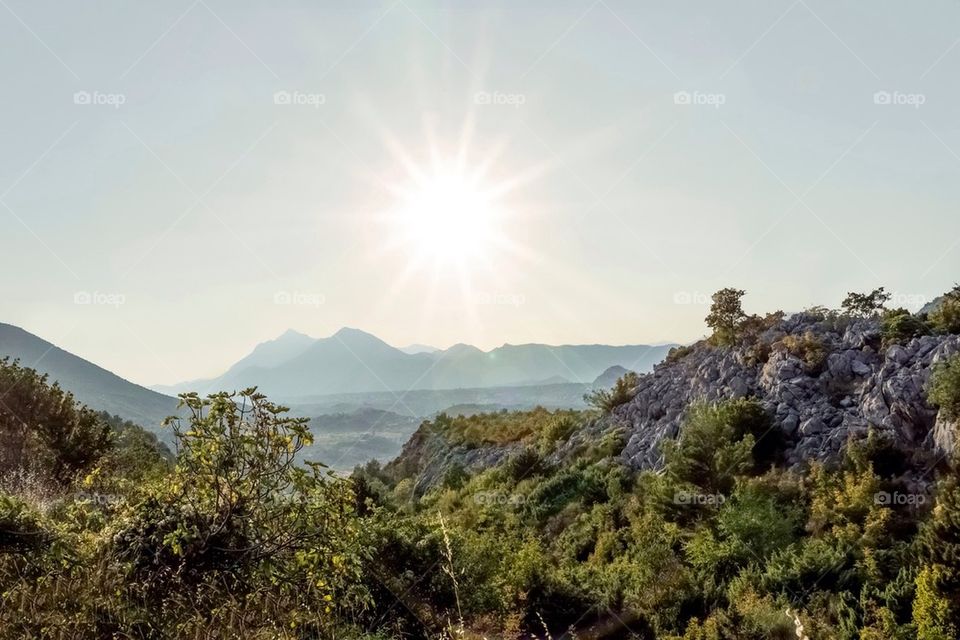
(622, 392)
(726, 316)
(946, 317)
(809, 348)
(865, 305)
(43, 429)
(719, 442)
(944, 389)
(238, 512)
(899, 326)
(676, 354)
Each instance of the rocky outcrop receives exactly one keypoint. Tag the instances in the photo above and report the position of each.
(851, 385)
(823, 381)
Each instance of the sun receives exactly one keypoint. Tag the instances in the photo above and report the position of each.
(447, 217)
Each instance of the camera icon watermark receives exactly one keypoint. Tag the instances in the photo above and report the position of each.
(899, 98)
(499, 98)
(499, 498)
(299, 98)
(299, 298)
(700, 98)
(698, 499)
(485, 298)
(909, 301)
(98, 298)
(897, 499)
(690, 297)
(98, 98)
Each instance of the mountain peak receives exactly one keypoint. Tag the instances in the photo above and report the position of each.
(293, 334)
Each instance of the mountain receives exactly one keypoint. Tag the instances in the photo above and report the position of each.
(609, 377)
(92, 385)
(418, 348)
(352, 361)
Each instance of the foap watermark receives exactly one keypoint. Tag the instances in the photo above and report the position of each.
(899, 98)
(499, 299)
(99, 298)
(299, 298)
(499, 498)
(690, 297)
(700, 98)
(897, 499)
(102, 499)
(499, 98)
(910, 301)
(99, 98)
(299, 98)
(699, 499)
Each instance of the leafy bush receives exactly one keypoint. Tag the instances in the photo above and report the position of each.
(944, 389)
(899, 326)
(676, 354)
(43, 429)
(622, 392)
(946, 317)
(865, 305)
(809, 348)
(238, 513)
(726, 316)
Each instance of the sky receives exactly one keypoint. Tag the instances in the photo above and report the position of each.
(182, 180)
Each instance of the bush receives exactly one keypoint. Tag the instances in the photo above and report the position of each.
(43, 429)
(622, 392)
(945, 387)
(865, 305)
(808, 348)
(718, 442)
(726, 316)
(946, 317)
(239, 517)
(676, 354)
(899, 326)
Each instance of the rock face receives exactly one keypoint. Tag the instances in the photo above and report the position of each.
(822, 380)
(853, 384)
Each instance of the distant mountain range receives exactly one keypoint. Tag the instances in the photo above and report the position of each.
(295, 366)
(92, 385)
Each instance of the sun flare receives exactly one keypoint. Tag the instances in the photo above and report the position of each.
(448, 217)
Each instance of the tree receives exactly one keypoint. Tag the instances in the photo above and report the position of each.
(239, 516)
(43, 429)
(606, 400)
(946, 317)
(726, 315)
(945, 387)
(865, 305)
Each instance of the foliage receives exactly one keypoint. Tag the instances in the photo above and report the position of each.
(865, 305)
(606, 400)
(944, 389)
(726, 315)
(678, 353)
(44, 429)
(945, 318)
(899, 326)
(502, 427)
(808, 348)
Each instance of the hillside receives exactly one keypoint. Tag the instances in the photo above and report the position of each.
(823, 378)
(92, 385)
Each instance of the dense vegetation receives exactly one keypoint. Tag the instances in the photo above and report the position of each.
(103, 534)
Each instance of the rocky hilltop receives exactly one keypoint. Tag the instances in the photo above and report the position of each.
(823, 377)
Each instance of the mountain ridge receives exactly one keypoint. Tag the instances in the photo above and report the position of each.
(352, 360)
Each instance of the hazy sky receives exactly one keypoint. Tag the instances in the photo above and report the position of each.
(187, 206)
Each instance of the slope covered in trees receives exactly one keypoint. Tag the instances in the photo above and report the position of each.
(506, 525)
